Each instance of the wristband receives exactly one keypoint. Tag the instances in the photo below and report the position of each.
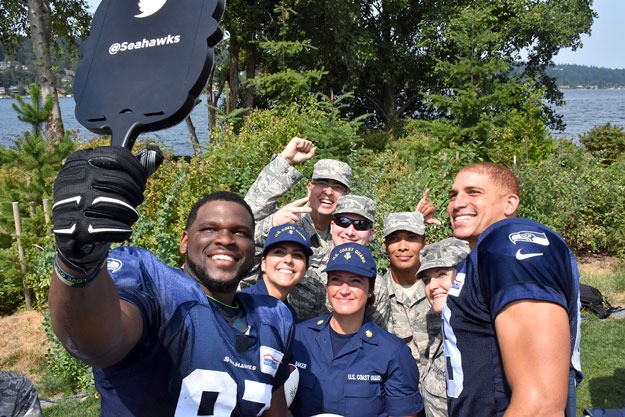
(73, 281)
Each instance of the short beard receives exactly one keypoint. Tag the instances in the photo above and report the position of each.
(216, 286)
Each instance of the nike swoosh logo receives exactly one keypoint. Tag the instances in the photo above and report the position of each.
(522, 256)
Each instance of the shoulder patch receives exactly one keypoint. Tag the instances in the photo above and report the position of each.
(538, 238)
(113, 265)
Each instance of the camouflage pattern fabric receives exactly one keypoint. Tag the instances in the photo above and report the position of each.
(331, 169)
(275, 180)
(308, 298)
(355, 204)
(444, 254)
(433, 386)
(409, 317)
(18, 397)
(409, 221)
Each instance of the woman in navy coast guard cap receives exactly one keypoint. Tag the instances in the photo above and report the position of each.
(283, 263)
(349, 366)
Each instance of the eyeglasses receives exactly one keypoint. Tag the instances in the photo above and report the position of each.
(359, 224)
(336, 186)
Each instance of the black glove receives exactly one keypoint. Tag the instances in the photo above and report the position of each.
(95, 198)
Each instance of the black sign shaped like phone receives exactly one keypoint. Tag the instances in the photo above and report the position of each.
(144, 64)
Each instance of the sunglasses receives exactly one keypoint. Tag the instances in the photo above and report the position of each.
(359, 224)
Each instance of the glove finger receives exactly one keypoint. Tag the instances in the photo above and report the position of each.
(112, 208)
(119, 159)
(150, 158)
(118, 184)
(105, 230)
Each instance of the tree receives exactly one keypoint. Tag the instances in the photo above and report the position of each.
(283, 80)
(26, 176)
(34, 113)
(485, 97)
(48, 22)
(386, 51)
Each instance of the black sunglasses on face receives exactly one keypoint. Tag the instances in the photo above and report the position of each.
(359, 224)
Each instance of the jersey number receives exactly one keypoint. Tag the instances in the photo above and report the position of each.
(455, 377)
(224, 388)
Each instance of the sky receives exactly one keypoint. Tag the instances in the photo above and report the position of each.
(601, 49)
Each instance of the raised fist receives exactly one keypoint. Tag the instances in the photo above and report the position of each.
(96, 194)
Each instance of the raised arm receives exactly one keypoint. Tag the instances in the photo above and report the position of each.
(534, 338)
(278, 176)
(95, 194)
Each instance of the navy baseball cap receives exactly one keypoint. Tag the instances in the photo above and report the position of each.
(352, 257)
(288, 233)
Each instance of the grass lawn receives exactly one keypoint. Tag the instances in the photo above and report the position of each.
(602, 348)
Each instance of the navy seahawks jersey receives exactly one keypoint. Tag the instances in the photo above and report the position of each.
(260, 288)
(189, 360)
(514, 259)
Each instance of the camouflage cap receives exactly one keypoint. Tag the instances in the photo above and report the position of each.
(444, 254)
(410, 221)
(331, 169)
(354, 258)
(356, 204)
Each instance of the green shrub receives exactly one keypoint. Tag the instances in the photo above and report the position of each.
(605, 142)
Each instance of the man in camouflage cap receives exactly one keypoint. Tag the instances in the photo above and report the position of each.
(437, 272)
(330, 180)
(352, 223)
(404, 237)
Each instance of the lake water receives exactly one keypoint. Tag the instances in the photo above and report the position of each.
(584, 109)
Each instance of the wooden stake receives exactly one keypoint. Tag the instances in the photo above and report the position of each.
(46, 213)
(20, 251)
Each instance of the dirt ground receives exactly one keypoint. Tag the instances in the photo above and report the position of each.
(23, 344)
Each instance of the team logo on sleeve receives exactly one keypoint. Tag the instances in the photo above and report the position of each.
(530, 237)
(270, 360)
(113, 265)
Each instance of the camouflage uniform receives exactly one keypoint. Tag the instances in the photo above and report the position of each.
(275, 180)
(409, 317)
(18, 397)
(410, 310)
(447, 253)
(308, 297)
(432, 385)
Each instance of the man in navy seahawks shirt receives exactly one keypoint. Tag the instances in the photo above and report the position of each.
(163, 341)
(511, 322)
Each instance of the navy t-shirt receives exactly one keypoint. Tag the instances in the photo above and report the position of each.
(514, 259)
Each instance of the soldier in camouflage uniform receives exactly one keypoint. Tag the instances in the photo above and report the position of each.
(18, 397)
(404, 237)
(437, 273)
(330, 180)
